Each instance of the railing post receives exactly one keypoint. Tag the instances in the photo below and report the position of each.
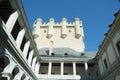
(20, 37)
(26, 48)
(11, 21)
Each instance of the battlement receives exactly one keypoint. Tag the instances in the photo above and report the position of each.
(41, 23)
(62, 34)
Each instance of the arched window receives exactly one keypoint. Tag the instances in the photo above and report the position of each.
(14, 72)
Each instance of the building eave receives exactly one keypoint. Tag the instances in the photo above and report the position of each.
(112, 28)
(66, 59)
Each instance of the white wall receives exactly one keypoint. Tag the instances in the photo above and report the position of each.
(104, 57)
(111, 53)
(100, 64)
(115, 40)
(70, 41)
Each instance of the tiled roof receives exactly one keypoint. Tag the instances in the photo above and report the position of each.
(66, 52)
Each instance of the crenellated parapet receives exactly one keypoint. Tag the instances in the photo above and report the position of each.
(77, 24)
(56, 23)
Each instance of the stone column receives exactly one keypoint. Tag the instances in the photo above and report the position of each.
(10, 67)
(62, 68)
(33, 63)
(74, 68)
(64, 33)
(86, 69)
(20, 37)
(50, 28)
(30, 57)
(11, 21)
(26, 48)
(49, 68)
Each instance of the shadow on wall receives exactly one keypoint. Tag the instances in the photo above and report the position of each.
(4, 60)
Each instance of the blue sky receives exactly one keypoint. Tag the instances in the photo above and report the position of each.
(95, 14)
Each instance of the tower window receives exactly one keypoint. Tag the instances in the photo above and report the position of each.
(53, 54)
(69, 31)
(44, 31)
(66, 54)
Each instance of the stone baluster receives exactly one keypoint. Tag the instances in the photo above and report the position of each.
(20, 37)
(11, 21)
(26, 48)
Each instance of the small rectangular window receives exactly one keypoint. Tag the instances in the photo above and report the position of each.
(44, 31)
(69, 31)
(105, 63)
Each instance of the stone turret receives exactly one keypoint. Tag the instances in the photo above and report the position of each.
(50, 28)
(77, 28)
(64, 32)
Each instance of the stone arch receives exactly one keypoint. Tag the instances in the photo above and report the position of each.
(15, 71)
(11, 65)
(23, 77)
(19, 74)
(4, 61)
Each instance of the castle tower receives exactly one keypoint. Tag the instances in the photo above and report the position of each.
(61, 48)
(62, 35)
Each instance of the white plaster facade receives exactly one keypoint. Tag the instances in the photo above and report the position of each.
(108, 56)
